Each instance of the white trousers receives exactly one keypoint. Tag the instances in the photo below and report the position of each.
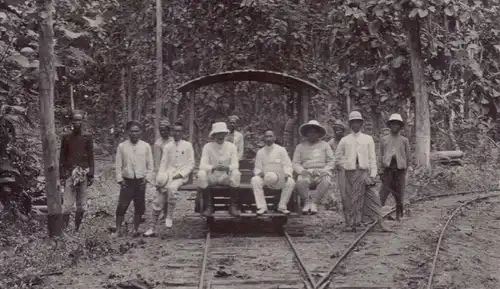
(258, 185)
(206, 179)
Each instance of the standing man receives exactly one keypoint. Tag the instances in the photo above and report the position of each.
(356, 159)
(273, 169)
(219, 166)
(134, 168)
(395, 159)
(158, 147)
(235, 136)
(313, 161)
(176, 166)
(339, 132)
(76, 169)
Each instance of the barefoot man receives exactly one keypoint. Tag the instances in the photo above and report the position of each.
(273, 169)
(176, 166)
(313, 161)
(219, 166)
(356, 160)
(76, 169)
(134, 168)
(394, 159)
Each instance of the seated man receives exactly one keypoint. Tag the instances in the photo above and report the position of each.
(176, 165)
(219, 166)
(313, 161)
(273, 169)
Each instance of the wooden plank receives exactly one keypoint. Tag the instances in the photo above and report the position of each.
(226, 215)
(237, 282)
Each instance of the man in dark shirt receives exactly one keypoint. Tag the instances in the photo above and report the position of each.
(76, 169)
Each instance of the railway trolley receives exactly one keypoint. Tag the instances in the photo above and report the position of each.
(300, 90)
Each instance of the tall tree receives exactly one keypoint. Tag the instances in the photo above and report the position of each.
(159, 66)
(422, 111)
(47, 128)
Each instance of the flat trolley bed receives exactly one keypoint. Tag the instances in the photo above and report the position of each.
(246, 201)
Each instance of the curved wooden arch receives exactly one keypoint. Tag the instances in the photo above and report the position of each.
(271, 77)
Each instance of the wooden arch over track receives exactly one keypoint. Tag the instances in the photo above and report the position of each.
(272, 77)
(300, 87)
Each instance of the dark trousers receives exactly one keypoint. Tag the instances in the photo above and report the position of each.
(393, 182)
(133, 190)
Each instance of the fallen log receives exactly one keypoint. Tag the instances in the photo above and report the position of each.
(452, 158)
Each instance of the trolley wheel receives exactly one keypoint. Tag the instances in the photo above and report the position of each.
(279, 223)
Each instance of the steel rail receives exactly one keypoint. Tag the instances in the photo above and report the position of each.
(204, 264)
(326, 278)
(441, 236)
(310, 284)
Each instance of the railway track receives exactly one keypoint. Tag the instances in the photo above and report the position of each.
(453, 215)
(326, 279)
(227, 250)
(218, 250)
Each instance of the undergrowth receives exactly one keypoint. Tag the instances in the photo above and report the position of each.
(27, 255)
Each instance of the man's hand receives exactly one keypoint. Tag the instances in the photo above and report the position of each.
(122, 184)
(178, 176)
(321, 173)
(261, 174)
(144, 182)
(370, 181)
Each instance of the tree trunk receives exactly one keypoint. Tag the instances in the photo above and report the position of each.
(71, 97)
(130, 111)
(123, 95)
(159, 67)
(47, 128)
(422, 114)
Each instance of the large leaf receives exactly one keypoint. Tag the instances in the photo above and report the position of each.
(94, 22)
(71, 34)
(21, 60)
(80, 55)
(476, 68)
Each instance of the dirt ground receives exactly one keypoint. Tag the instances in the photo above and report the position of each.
(402, 259)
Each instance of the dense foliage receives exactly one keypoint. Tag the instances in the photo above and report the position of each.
(356, 50)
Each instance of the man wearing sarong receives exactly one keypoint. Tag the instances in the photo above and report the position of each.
(235, 136)
(158, 147)
(134, 169)
(356, 160)
(219, 165)
(176, 166)
(313, 161)
(394, 160)
(273, 169)
(76, 169)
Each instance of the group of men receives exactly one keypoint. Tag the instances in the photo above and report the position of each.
(170, 162)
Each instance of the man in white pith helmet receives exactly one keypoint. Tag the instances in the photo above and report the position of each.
(313, 161)
(219, 165)
(355, 157)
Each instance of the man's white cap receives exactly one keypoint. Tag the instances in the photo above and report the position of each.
(218, 127)
(355, 115)
(396, 117)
